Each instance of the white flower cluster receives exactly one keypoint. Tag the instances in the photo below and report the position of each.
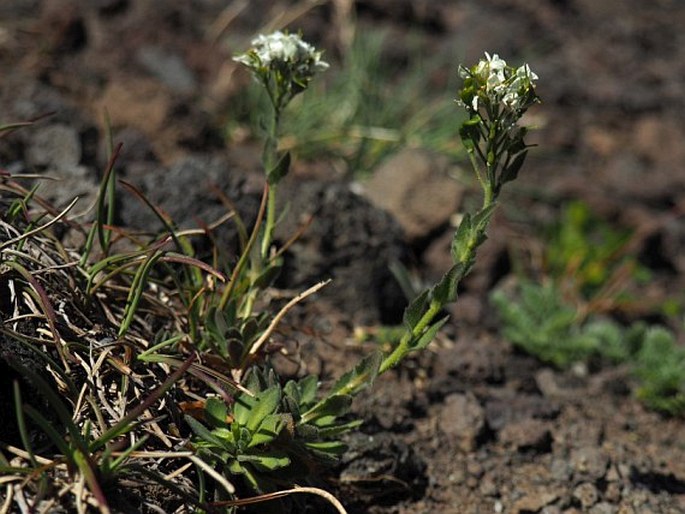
(279, 49)
(501, 83)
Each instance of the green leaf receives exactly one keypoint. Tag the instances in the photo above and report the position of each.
(430, 334)
(512, 171)
(415, 310)
(462, 239)
(251, 411)
(270, 462)
(216, 412)
(291, 403)
(203, 432)
(307, 432)
(267, 277)
(268, 431)
(234, 351)
(445, 291)
(336, 430)
(225, 434)
(482, 219)
(361, 376)
(250, 330)
(308, 386)
(279, 171)
(292, 390)
(236, 468)
(336, 448)
(335, 405)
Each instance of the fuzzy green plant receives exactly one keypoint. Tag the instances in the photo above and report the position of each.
(591, 260)
(537, 320)
(660, 367)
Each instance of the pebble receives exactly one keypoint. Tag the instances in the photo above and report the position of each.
(603, 508)
(168, 67)
(54, 146)
(462, 419)
(415, 187)
(589, 463)
(528, 434)
(587, 494)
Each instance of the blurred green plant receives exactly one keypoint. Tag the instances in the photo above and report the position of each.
(536, 319)
(590, 259)
(660, 367)
(589, 271)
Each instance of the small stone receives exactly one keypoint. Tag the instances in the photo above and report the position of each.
(474, 469)
(589, 463)
(612, 492)
(414, 186)
(462, 419)
(613, 474)
(603, 508)
(534, 502)
(587, 494)
(560, 470)
(546, 381)
(55, 146)
(488, 487)
(168, 67)
(528, 434)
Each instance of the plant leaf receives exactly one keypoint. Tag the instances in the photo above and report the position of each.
(270, 462)
(251, 411)
(512, 171)
(462, 238)
(412, 314)
(279, 171)
(360, 377)
(203, 432)
(335, 405)
(445, 291)
(430, 334)
(215, 412)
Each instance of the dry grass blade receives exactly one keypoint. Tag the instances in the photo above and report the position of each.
(280, 494)
(277, 319)
(41, 228)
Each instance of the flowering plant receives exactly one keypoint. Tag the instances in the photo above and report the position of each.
(495, 96)
(283, 63)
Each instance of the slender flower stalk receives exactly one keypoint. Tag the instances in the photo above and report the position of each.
(284, 65)
(495, 97)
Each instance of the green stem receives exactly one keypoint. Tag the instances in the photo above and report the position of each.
(270, 222)
(228, 291)
(270, 160)
(404, 346)
(411, 336)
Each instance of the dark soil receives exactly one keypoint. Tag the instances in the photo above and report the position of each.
(471, 426)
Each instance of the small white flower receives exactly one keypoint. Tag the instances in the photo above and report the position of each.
(278, 49)
(500, 84)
